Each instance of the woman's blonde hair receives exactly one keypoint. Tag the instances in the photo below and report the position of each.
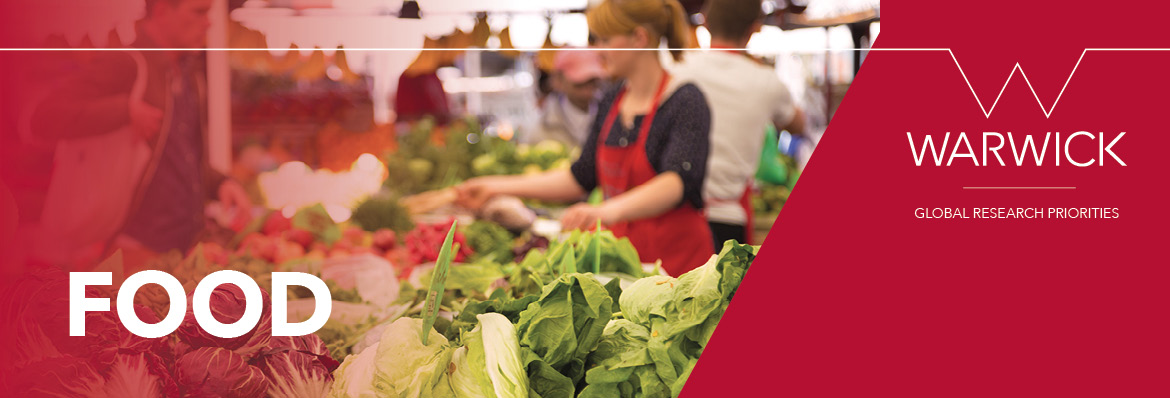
(662, 18)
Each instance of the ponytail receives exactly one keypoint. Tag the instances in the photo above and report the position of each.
(663, 18)
(677, 30)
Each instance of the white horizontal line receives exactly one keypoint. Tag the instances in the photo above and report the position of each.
(516, 49)
(986, 111)
(460, 49)
(1019, 187)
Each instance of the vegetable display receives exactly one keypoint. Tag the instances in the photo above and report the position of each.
(414, 369)
(560, 329)
(489, 241)
(505, 158)
(667, 324)
(489, 364)
(112, 362)
(423, 243)
(547, 328)
(430, 157)
(500, 315)
(616, 254)
(382, 212)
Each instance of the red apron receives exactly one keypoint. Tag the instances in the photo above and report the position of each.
(680, 237)
(745, 201)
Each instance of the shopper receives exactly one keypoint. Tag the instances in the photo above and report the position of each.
(745, 97)
(160, 96)
(647, 148)
(567, 112)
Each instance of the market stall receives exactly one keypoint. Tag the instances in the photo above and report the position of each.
(350, 140)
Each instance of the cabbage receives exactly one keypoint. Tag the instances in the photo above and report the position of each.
(645, 296)
(488, 365)
(370, 339)
(297, 367)
(399, 365)
(355, 377)
(405, 367)
(218, 372)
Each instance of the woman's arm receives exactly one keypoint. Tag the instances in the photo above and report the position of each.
(554, 185)
(657, 196)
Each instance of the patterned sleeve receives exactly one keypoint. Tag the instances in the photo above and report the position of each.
(686, 149)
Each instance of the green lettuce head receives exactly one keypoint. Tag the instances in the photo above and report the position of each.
(488, 365)
(355, 377)
(565, 324)
(404, 367)
(647, 296)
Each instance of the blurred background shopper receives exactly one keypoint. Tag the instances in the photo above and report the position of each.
(647, 148)
(744, 97)
(566, 114)
(131, 169)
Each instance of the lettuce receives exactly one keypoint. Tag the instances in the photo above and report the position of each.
(469, 278)
(645, 296)
(623, 365)
(566, 323)
(405, 367)
(355, 377)
(667, 324)
(616, 254)
(500, 303)
(559, 330)
(488, 365)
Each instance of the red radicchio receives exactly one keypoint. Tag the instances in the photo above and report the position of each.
(227, 306)
(140, 375)
(63, 376)
(106, 337)
(297, 367)
(217, 372)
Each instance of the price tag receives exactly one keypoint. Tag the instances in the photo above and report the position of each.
(438, 281)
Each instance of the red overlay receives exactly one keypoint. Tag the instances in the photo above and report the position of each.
(852, 296)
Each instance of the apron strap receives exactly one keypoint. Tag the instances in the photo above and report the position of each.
(615, 109)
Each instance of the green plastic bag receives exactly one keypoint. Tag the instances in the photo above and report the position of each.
(771, 169)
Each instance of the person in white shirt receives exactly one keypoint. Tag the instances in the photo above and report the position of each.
(566, 114)
(744, 97)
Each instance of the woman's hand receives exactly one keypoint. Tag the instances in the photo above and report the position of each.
(584, 216)
(473, 193)
(234, 197)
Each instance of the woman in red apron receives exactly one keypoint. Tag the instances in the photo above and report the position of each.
(647, 148)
